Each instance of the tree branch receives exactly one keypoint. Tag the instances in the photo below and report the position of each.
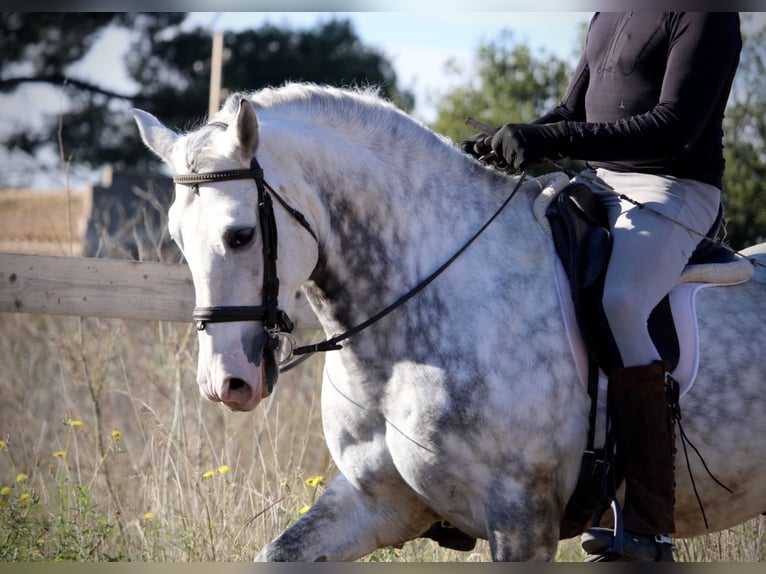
(62, 80)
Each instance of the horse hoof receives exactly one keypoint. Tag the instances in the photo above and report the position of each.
(450, 537)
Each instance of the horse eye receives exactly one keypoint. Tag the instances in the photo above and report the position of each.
(239, 237)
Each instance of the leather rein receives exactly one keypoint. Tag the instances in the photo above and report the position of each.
(276, 321)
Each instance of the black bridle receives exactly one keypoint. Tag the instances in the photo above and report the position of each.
(275, 320)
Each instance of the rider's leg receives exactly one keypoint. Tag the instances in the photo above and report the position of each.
(648, 254)
(642, 403)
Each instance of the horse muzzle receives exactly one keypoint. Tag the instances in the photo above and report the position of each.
(240, 376)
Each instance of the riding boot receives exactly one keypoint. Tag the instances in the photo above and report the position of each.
(643, 405)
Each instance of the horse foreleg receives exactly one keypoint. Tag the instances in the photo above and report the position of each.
(523, 527)
(346, 524)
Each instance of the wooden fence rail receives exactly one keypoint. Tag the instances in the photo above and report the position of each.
(95, 287)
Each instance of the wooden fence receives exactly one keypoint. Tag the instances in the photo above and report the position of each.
(95, 287)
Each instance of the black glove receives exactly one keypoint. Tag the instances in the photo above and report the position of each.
(477, 145)
(522, 145)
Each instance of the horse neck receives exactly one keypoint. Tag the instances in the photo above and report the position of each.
(391, 213)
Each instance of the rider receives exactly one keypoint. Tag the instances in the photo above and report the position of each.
(645, 107)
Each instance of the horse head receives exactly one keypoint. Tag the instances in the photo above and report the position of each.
(223, 220)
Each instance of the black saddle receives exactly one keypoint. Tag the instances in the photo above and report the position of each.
(583, 243)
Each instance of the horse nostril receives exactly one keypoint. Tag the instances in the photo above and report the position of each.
(236, 391)
(236, 384)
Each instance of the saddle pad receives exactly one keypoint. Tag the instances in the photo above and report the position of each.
(682, 304)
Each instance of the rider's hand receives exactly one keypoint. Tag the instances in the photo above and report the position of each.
(477, 145)
(522, 145)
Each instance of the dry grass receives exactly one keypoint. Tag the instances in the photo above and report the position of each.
(151, 470)
(181, 479)
(69, 385)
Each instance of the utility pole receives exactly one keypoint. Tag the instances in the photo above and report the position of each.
(216, 64)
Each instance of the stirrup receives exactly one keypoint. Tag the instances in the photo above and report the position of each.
(605, 545)
(615, 549)
(637, 547)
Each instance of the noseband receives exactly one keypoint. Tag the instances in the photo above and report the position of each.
(276, 321)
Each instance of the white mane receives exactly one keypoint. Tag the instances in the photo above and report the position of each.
(361, 108)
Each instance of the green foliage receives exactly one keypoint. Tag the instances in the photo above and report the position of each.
(509, 83)
(71, 529)
(745, 145)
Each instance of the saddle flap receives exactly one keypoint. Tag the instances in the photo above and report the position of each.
(597, 244)
(583, 243)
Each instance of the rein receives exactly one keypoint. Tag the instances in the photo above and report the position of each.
(276, 321)
(331, 344)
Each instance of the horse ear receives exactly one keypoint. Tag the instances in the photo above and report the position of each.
(245, 129)
(156, 136)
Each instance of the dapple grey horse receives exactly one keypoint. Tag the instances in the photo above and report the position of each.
(464, 405)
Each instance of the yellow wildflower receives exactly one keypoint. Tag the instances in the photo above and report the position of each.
(24, 496)
(223, 469)
(72, 422)
(3, 445)
(315, 480)
(116, 435)
(148, 516)
(60, 454)
(5, 491)
(208, 474)
(304, 510)
(21, 477)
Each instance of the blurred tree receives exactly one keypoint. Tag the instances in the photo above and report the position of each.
(331, 54)
(171, 69)
(42, 48)
(508, 83)
(745, 142)
(44, 44)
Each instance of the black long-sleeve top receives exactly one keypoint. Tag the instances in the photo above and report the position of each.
(649, 93)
